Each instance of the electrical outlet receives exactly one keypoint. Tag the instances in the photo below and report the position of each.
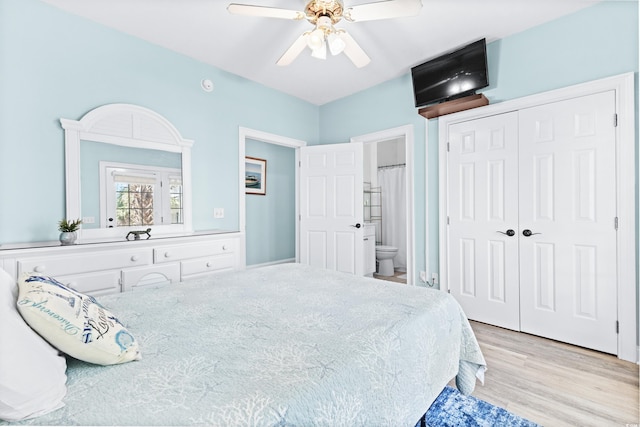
(88, 220)
(218, 212)
(434, 278)
(423, 276)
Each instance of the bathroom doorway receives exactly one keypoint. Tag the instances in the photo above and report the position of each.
(388, 201)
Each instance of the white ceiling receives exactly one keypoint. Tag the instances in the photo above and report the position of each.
(250, 46)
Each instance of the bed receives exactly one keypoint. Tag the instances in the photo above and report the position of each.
(281, 345)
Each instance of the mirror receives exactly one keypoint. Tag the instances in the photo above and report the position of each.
(123, 186)
(125, 152)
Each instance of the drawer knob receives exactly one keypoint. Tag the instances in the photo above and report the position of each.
(167, 254)
(224, 247)
(39, 268)
(134, 258)
(209, 264)
(72, 285)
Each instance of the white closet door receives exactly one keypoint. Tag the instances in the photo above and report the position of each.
(483, 207)
(567, 200)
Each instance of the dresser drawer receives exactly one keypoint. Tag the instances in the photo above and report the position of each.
(194, 250)
(94, 284)
(207, 265)
(82, 263)
(139, 277)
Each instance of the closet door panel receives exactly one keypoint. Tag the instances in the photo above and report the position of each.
(567, 201)
(483, 206)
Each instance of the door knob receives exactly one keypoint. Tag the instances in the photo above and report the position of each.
(527, 233)
(509, 232)
(357, 225)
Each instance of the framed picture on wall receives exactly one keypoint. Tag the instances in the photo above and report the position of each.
(255, 176)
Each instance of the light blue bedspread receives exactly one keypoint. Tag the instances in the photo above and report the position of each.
(285, 345)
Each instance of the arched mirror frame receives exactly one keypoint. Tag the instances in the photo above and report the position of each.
(129, 126)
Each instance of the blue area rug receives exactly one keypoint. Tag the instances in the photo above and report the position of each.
(453, 409)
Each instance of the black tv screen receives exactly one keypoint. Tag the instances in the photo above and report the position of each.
(452, 75)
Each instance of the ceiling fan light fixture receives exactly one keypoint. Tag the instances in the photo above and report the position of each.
(316, 39)
(321, 52)
(336, 44)
(323, 15)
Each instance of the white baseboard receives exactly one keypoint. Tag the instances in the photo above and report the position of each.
(281, 261)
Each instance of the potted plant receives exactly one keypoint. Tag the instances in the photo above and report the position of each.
(68, 230)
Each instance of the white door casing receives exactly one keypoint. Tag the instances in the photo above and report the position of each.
(568, 202)
(331, 214)
(483, 216)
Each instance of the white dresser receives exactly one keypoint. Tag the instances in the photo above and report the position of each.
(111, 267)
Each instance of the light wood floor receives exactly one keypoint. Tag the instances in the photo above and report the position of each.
(556, 384)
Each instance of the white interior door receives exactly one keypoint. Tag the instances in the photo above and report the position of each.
(331, 212)
(483, 218)
(568, 202)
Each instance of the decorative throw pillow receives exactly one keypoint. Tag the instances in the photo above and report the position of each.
(74, 323)
(32, 373)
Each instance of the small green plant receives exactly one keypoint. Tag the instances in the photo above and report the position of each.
(69, 226)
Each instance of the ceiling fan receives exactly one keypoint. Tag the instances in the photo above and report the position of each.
(324, 14)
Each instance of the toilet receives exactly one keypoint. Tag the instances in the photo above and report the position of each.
(385, 255)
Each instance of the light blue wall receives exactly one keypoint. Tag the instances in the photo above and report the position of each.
(54, 64)
(597, 42)
(270, 219)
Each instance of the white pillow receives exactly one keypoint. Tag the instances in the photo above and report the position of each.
(32, 373)
(74, 323)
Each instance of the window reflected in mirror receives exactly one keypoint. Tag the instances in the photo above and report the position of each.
(141, 196)
(130, 186)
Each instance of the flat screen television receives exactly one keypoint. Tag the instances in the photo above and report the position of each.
(452, 75)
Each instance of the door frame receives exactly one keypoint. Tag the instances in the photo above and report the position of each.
(406, 132)
(270, 138)
(623, 85)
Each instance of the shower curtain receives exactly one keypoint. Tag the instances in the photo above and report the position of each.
(392, 181)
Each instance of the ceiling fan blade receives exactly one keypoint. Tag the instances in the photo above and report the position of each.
(353, 50)
(383, 10)
(264, 11)
(292, 53)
